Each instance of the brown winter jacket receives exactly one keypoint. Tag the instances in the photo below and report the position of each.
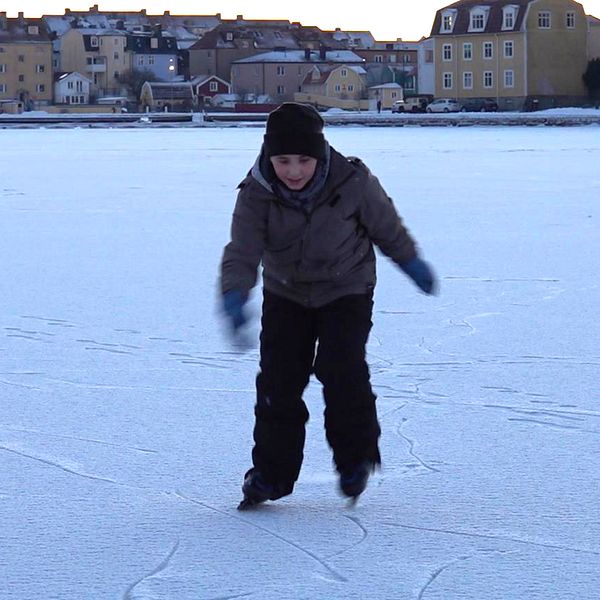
(314, 257)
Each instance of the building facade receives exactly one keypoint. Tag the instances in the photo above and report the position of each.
(26, 74)
(519, 52)
(99, 54)
(281, 74)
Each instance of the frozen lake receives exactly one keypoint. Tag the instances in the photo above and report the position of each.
(126, 417)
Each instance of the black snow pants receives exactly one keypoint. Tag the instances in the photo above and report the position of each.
(291, 333)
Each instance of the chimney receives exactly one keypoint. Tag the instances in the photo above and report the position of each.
(167, 13)
(143, 12)
(306, 53)
(67, 11)
(240, 17)
(2, 20)
(94, 9)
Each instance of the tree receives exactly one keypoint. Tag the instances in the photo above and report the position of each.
(591, 78)
(134, 79)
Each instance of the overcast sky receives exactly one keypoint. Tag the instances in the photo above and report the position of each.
(386, 21)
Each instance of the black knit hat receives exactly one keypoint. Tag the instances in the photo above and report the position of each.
(294, 128)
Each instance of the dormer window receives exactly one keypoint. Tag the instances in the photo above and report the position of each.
(509, 17)
(94, 41)
(33, 30)
(448, 20)
(229, 36)
(478, 19)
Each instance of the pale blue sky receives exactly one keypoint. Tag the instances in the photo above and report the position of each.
(406, 19)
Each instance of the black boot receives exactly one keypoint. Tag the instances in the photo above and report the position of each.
(353, 481)
(255, 489)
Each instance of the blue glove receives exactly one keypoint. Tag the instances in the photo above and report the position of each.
(233, 307)
(420, 272)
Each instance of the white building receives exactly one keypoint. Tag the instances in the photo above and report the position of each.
(71, 88)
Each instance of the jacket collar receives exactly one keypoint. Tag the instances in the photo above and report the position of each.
(340, 169)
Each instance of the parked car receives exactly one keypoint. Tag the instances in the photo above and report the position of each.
(414, 104)
(444, 105)
(480, 105)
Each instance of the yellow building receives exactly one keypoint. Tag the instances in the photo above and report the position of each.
(98, 54)
(522, 53)
(25, 61)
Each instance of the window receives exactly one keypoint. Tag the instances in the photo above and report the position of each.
(488, 50)
(447, 81)
(378, 58)
(69, 85)
(468, 51)
(79, 86)
(509, 49)
(229, 36)
(448, 20)
(94, 41)
(213, 86)
(40, 88)
(508, 20)
(570, 20)
(350, 88)
(33, 30)
(2, 68)
(468, 80)
(392, 58)
(21, 58)
(428, 56)
(21, 78)
(116, 56)
(280, 70)
(154, 43)
(140, 61)
(151, 60)
(2, 88)
(447, 52)
(116, 75)
(488, 79)
(281, 89)
(544, 19)
(40, 68)
(337, 88)
(477, 21)
(509, 78)
(344, 73)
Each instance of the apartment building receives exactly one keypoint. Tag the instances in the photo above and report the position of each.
(99, 54)
(25, 61)
(280, 74)
(520, 52)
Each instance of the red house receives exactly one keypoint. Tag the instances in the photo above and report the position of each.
(208, 86)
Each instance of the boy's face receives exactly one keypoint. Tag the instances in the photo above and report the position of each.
(294, 170)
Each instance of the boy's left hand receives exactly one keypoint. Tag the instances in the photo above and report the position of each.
(420, 272)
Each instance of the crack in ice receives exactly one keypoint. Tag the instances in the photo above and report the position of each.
(161, 567)
(336, 576)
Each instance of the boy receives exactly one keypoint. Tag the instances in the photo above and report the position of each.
(311, 216)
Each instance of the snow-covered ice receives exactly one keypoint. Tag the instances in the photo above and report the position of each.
(126, 417)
